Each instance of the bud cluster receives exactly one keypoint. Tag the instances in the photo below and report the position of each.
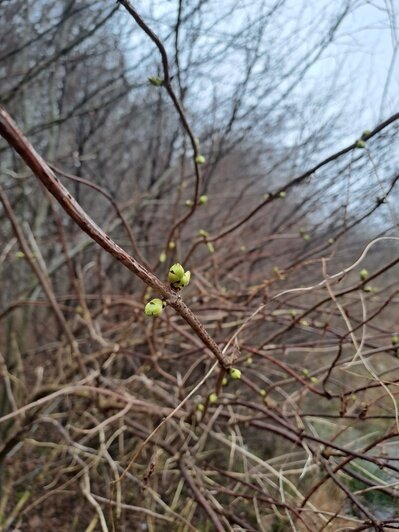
(177, 277)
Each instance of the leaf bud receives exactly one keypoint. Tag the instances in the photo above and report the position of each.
(203, 199)
(235, 374)
(211, 247)
(213, 398)
(176, 273)
(156, 81)
(154, 307)
(366, 134)
(185, 280)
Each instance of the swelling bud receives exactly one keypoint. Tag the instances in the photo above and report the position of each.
(213, 398)
(203, 199)
(154, 307)
(185, 280)
(176, 273)
(211, 247)
(235, 374)
(154, 80)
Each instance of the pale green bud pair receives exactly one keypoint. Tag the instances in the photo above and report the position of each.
(178, 277)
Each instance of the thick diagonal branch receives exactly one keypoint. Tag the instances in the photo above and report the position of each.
(14, 136)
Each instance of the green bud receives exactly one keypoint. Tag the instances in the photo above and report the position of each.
(262, 393)
(210, 247)
(305, 323)
(203, 199)
(368, 289)
(243, 248)
(154, 80)
(189, 203)
(293, 313)
(162, 257)
(225, 381)
(200, 407)
(305, 372)
(200, 159)
(314, 380)
(185, 280)
(331, 241)
(171, 245)
(360, 144)
(203, 233)
(235, 374)
(306, 237)
(154, 307)
(363, 274)
(176, 273)
(366, 134)
(282, 194)
(266, 196)
(250, 360)
(19, 255)
(213, 398)
(395, 339)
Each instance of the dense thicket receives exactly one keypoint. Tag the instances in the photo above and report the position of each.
(254, 160)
